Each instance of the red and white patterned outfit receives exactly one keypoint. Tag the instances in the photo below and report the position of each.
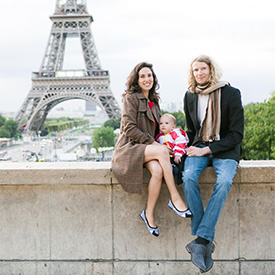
(176, 140)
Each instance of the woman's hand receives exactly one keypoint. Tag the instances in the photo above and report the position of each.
(193, 151)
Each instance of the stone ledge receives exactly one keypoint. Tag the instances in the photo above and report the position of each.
(55, 173)
(140, 268)
(69, 218)
(100, 173)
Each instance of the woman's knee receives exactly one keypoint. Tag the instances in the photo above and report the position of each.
(155, 169)
(162, 152)
(157, 172)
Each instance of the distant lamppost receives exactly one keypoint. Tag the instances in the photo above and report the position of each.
(93, 152)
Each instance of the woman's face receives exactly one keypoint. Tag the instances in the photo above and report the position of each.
(145, 79)
(201, 72)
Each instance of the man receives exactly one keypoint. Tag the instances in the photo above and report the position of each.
(215, 121)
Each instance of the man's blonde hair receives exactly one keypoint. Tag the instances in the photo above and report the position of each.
(215, 72)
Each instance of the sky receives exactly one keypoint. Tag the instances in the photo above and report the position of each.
(238, 34)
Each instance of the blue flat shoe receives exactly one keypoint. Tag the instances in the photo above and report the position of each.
(153, 230)
(184, 214)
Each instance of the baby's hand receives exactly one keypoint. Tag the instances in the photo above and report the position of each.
(177, 159)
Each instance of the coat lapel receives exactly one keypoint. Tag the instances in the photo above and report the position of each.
(144, 106)
(194, 110)
(156, 112)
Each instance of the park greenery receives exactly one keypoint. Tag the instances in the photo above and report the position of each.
(113, 123)
(61, 124)
(8, 128)
(259, 130)
(103, 137)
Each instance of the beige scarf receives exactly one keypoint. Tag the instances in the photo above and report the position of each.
(210, 129)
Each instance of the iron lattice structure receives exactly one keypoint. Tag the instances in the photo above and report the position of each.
(52, 85)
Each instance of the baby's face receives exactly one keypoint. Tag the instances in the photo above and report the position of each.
(166, 124)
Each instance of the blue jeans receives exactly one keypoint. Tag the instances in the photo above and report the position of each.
(203, 222)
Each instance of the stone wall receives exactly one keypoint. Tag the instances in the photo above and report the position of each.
(74, 218)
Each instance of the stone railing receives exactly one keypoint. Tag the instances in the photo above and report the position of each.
(74, 218)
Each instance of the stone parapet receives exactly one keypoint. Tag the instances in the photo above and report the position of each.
(74, 218)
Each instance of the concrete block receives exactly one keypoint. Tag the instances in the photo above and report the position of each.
(24, 268)
(56, 268)
(79, 268)
(182, 233)
(258, 175)
(227, 228)
(24, 218)
(154, 268)
(146, 177)
(257, 171)
(64, 173)
(131, 237)
(81, 222)
(224, 267)
(257, 221)
(256, 268)
(172, 268)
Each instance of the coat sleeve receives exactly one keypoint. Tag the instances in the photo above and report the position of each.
(129, 115)
(234, 134)
(191, 131)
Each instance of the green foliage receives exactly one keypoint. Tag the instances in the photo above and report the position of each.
(180, 118)
(11, 126)
(103, 137)
(259, 130)
(2, 120)
(114, 123)
(63, 123)
(4, 133)
(8, 128)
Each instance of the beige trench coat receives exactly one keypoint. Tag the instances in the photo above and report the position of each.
(137, 130)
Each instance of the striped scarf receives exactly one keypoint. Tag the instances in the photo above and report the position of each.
(210, 129)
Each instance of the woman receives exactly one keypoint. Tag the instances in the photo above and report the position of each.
(136, 146)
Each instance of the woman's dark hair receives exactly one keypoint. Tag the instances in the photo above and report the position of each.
(132, 82)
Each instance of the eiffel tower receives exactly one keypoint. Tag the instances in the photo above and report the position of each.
(52, 85)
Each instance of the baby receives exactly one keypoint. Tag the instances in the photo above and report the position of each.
(176, 139)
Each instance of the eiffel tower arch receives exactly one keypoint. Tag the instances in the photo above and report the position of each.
(53, 85)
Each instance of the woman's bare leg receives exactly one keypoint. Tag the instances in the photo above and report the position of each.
(153, 189)
(161, 154)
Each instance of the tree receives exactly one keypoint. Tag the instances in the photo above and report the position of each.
(259, 133)
(114, 123)
(11, 126)
(180, 119)
(4, 133)
(2, 120)
(103, 137)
